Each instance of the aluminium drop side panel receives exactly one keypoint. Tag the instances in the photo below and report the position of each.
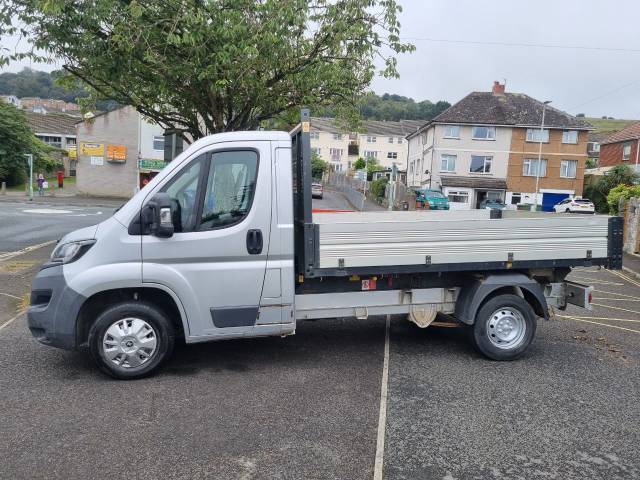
(404, 239)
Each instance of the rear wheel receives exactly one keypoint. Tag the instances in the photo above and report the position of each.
(504, 328)
(131, 339)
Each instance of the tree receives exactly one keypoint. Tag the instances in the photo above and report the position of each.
(379, 186)
(318, 166)
(621, 191)
(599, 191)
(360, 164)
(220, 65)
(16, 140)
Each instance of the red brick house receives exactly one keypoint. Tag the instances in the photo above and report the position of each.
(621, 148)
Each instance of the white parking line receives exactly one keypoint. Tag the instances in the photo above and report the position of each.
(615, 308)
(8, 255)
(382, 417)
(9, 295)
(8, 322)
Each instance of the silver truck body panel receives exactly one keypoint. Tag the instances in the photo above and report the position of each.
(408, 238)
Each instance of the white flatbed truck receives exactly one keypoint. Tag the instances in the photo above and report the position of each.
(223, 244)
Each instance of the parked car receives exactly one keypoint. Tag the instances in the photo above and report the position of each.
(431, 200)
(575, 205)
(492, 204)
(317, 190)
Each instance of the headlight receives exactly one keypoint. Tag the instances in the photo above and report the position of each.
(69, 252)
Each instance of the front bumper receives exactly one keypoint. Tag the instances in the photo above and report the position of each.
(54, 309)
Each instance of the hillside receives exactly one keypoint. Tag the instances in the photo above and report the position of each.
(608, 126)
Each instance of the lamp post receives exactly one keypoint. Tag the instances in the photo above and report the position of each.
(534, 207)
(30, 162)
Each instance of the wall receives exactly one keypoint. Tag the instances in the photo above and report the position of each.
(147, 131)
(326, 142)
(119, 127)
(383, 147)
(463, 148)
(611, 154)
(554, 152)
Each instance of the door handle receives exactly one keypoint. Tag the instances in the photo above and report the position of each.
(254, 242)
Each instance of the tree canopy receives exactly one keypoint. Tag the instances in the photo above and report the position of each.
(202, 67)
(16, 140)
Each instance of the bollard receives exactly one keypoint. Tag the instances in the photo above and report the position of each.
(3, 189)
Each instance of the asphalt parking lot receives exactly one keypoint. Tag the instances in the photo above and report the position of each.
(308, 406)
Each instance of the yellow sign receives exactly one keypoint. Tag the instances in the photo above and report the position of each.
(73, 152)
(92, 149)
(116, 152)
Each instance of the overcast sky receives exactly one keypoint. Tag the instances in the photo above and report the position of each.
(602, 77)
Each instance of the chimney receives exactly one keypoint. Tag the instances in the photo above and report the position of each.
(498, 88)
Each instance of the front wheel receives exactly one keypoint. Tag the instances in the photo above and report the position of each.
(131, 339)
(504, 327)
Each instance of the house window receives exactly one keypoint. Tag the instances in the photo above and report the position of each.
(411, 168)
(314, 135)
(480, 164)
(532, 167)
(568, 168)
(370, 154)
(50, 140)
(516, 198)
(452, 131)
(392, 155)
(626, 152)
(390, 139)
(537, 135)
(423, 137)
(71, 142)
(458, 196)
(570, 136)
(337, 136)
(400, 140)
(596, 147)
(316, 150)
(448, 163)
(336, 153)
(484, 133)
(158, 142)
(371, 139)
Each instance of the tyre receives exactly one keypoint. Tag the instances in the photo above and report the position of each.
(567, 211)
(504, 328)
(131, 339)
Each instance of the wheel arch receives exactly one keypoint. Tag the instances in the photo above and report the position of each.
(475, 294)
(157, 295)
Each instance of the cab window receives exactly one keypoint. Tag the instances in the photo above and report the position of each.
(183, 190)
(230, 188)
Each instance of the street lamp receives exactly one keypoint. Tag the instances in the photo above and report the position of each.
(30, 162)
(534, 207)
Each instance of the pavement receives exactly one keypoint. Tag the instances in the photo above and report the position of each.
(308, 406)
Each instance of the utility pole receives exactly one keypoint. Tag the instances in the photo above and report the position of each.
(534, 207)
(30, 161)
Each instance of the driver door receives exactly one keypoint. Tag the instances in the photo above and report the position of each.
(215, 261)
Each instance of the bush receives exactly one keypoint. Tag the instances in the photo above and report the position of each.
(621, 191)
(379, 186)
(360, 164)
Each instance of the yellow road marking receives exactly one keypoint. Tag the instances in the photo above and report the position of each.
(599, 318)
(624, 277)
(600, 282)
(615, 308)
(615, 293)
(604, 324)
(619, 299)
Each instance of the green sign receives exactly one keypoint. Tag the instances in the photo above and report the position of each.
(150, 164)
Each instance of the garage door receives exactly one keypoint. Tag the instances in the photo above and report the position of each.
(550, 199)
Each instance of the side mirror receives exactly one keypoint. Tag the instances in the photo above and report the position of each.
(161, 217)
